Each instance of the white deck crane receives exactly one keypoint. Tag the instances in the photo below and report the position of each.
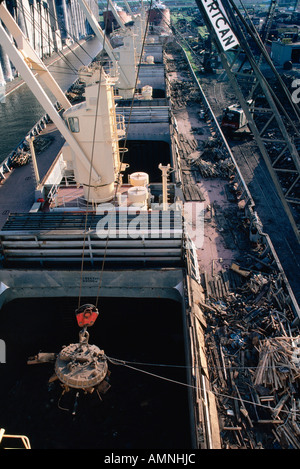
(91, 129)
(138, 27)
(123, 58)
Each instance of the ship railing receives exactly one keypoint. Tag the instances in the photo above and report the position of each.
(9, 163)
(24, 439)
(155, 114)
(191, 258)
(5, 168)
(118, 123)
(110, 69)
(71, 201)
(51, 196)
(175, 153)
(245, 198)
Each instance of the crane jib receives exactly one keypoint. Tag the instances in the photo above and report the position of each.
(219, 21)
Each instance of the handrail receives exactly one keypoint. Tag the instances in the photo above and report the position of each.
(23, 438)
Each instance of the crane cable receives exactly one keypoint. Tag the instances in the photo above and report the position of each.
(119, 171)
(124, 147)
(90, 173)
(127, 364)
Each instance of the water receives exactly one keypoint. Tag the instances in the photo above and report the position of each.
(21, 109)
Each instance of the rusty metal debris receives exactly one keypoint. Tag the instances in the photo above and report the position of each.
(253, 359)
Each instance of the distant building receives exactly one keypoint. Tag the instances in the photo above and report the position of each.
(282, 52)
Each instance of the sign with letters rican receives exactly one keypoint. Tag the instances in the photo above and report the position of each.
(219, 21)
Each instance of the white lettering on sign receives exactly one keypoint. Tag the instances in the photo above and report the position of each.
(217, 16)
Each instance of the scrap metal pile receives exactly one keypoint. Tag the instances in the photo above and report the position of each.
(252, 340)
(253, 354)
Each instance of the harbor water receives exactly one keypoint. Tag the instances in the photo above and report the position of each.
(21, 110)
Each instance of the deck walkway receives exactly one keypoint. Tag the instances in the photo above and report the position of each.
(17, 191)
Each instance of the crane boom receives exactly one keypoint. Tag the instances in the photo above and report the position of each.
(22, 61)
(100, 35)
(279, 165)
(31, 57)
(116, 15)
